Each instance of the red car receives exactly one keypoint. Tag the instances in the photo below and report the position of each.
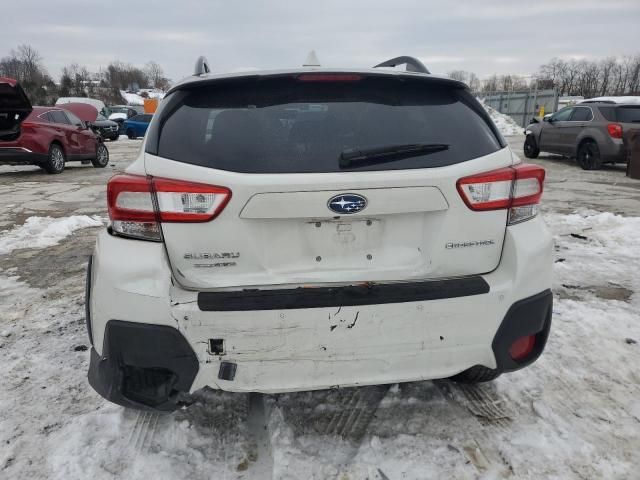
(46, 136)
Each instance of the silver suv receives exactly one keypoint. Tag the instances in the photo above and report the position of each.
(592, 132)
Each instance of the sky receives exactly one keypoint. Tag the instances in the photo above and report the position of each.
(486, 37)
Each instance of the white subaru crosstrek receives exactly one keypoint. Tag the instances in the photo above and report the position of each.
(317, 228)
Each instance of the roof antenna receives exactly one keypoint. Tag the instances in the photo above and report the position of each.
(311, 60)
(202, 67)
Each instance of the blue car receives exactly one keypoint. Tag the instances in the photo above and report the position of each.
(136, 126)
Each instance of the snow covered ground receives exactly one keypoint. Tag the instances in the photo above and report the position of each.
(573, 414)
(40, 232)
(138, 99)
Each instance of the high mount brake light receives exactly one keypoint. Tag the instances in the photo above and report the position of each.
(329, 77)
(138, 204)
(518, 188)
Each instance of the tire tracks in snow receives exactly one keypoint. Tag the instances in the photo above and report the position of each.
(260, 455)
(494, 415)
(143, 431)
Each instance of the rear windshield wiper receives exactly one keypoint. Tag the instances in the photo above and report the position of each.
(388, 153)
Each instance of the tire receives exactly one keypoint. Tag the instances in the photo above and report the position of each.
(476, 374)
(131, 134)
(56, 160)
(531, 149)
(102, 156)
(588, 156)
(113, 139)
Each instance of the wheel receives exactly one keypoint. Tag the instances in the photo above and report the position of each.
(131, 134)
(531, 149)
(476, 374)
(102, 156)
(589, 155)
(55, 162)
(113, 139)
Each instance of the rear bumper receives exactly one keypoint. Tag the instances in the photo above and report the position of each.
(614, 151)
(304, 346)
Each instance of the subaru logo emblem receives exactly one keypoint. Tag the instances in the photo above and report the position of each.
(347, 203)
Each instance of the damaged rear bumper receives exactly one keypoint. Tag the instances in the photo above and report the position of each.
(153, 341)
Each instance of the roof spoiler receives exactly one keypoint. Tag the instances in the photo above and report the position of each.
(412, 63)
(202, 66)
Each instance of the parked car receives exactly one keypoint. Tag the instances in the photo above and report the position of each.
(592, 132)
(98, 104)
(45, 136)
(120, 113)
(107, 129)
(137, 126)
(308, 229)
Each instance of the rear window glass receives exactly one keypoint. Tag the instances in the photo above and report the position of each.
(581, 114)
(628, 114)
(609, 113)
(283, 125)
(58, 116)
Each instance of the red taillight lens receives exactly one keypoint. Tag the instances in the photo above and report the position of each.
(129, 198)
(522, 347)
(137, 204)
(329, 77)
(518, 188)
(615, 130)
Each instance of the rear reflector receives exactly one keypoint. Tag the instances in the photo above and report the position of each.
(137, 204)
(615, 130)
(522, 347)
(518, 188)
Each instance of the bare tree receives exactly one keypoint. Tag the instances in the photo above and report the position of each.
(25, 65)
(155, 74)
(611, 76)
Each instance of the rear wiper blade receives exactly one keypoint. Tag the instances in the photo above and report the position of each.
(388, 153)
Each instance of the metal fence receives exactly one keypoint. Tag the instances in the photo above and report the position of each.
(522, 105)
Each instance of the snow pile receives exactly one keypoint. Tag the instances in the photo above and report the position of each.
(40, 232)
(132, 98)
(505, 123)
(138, 99)
(118, 116)
(630, 99)
(603, 249)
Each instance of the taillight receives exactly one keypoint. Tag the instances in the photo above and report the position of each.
(517, 188)
(138, 204)
(615, 130)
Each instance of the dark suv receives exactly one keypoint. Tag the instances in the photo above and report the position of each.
(592, 132)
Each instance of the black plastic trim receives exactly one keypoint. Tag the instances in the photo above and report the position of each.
(9, 156)
(137, 354)
(322, 297)
(87, 300)
(412, 63)
(529, 316)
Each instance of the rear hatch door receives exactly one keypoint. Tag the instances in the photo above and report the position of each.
(14, 108)
(297, 214)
